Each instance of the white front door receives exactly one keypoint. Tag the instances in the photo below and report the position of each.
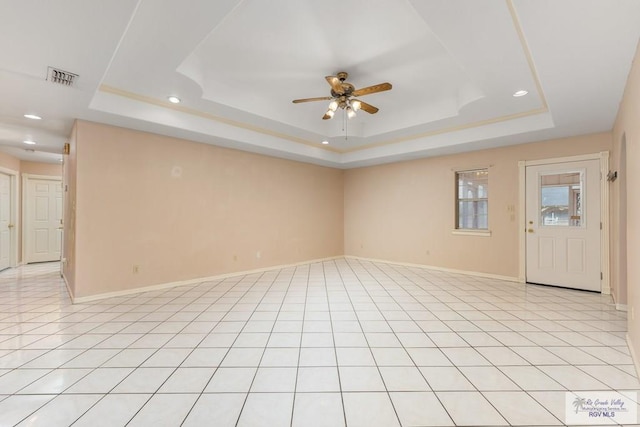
(563, 225)
(5, 221)
(43, 220)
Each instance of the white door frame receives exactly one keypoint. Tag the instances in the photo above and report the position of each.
(15, 215)
(603, 156)
(25, 190)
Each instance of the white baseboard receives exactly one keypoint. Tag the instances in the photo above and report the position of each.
(447, 270)
(66, 282)
(160, 286)
(634, 356)
(619, 306)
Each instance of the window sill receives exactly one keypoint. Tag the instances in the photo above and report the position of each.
(479, 233)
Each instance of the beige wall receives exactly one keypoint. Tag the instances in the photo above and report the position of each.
(405, 212)
(181, 210)
(627, 127)
(36, 168)
(9, 162)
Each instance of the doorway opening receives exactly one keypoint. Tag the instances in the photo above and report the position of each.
(621, 296)
(42, 218)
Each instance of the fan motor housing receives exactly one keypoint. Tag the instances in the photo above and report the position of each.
(347, 89)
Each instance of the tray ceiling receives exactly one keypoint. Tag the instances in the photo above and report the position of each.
(237, 65)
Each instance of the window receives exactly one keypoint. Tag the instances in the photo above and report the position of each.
(472, 204)
(561, 199)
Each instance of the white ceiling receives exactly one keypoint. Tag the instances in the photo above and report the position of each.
(238, 64)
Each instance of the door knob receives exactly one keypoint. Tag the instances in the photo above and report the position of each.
(530, 230)
(10, 225)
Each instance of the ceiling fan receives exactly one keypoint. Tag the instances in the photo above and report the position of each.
(343, 95)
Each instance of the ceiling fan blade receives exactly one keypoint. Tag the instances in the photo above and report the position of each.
(372, 89)
(368, 107)
(336, 84)
(322, 98)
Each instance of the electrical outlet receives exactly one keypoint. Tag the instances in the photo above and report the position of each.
(235, 257)
(136, 269)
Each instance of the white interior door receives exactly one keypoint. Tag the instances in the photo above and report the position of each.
(563, 225)
(5, 221)
(43, 220)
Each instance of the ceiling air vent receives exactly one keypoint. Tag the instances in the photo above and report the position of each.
(58, 76)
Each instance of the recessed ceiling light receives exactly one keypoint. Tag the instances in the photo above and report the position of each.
(173, 99)
(26, 141)
(325, 142)
(33, 117)
(520, 93)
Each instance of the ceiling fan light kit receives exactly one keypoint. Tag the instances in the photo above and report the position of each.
(343, 96)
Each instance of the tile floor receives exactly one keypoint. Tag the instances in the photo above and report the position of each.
(338, 343)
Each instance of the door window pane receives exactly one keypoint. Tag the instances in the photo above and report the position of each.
(561, 199)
